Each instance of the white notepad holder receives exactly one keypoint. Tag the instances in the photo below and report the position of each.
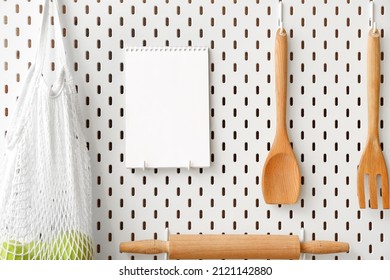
(167, 107)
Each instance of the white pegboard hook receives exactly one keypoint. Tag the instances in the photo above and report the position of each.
(302, 239)
(280, 16)
(372, 21)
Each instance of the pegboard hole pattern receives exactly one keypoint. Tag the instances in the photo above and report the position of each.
(326, 114)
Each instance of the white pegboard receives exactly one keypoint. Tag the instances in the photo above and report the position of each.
(327, 115)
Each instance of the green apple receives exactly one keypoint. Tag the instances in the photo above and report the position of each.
(56, 248)
(71, 245)
(13, 250)
(3, 251)
(35, 250)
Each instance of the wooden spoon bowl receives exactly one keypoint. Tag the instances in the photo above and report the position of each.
(281, 180)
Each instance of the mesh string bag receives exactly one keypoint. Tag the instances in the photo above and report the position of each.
(45, 176)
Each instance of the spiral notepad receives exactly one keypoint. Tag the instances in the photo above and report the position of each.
(167, 107)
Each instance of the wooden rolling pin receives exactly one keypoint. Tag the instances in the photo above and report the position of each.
(233, 247)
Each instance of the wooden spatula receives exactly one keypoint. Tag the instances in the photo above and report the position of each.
(372, 162)
(210, 246)
(281, 180)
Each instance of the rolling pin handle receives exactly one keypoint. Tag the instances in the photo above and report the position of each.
(324, 247)
(150, 247)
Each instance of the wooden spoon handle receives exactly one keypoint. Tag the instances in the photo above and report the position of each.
(373, 80)
(281, 79)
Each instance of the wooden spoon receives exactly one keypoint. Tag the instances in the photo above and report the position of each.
(281, 177)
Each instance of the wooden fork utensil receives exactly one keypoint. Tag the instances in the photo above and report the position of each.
(372, 162)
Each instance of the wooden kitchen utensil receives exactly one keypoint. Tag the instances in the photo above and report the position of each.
(281, 177)
(372, 162)
(233, 247)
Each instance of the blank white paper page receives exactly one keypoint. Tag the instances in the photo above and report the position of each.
(167, 107)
